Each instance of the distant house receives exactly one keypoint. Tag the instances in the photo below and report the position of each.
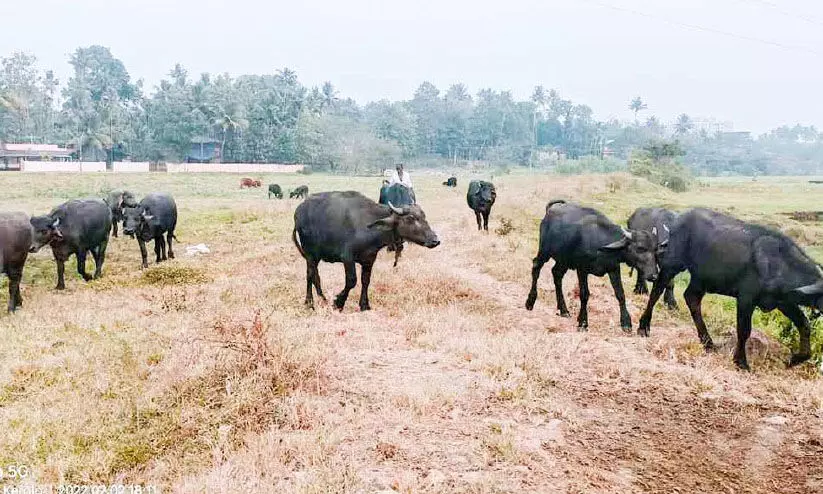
(13, 155)
(204, 151)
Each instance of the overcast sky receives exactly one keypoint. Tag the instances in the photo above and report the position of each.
(369, 49)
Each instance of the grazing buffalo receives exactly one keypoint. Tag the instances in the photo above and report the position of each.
(656, 221)
(301, 192)
(248, 182)
(451, 182)
(584, 240)
(155, 215)
(15, 241)
(350, 228)
(76, 227)
(276, 191)
(399, 195)
(760, 267)
(481, 198)
(117, 199)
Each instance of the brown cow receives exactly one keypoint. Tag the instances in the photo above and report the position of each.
(248, 182)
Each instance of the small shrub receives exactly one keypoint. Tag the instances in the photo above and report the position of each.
(505, 227)
(170, 274)
(306, 170)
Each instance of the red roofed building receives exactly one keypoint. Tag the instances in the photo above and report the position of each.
(12, 155)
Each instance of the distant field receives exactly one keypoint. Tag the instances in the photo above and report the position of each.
(207, 374)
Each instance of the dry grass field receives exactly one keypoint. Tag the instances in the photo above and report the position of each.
(207, 374)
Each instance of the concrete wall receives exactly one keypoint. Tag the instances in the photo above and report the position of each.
(231, 168)
(144, 167)
(62, 166)
(131, 166)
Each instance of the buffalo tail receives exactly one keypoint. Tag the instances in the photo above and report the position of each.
(297, 242)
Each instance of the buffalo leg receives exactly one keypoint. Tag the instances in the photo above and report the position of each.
(617, 286)
(169, 237)
(658, 287)
(311, 270)
(668, 296)
(81, 264)
(583, 286)
(316, 281)
(537, 265)
(163, 256)
(351, 281)
(479, 218)
(797, 317)
(61, 270)
(15, 300)
(99, 254)
(365, 279)
(640, 288)
(694, 298)
(745, 308)
(486, 220)
(114, 228)
(157, 249)
(143, 254)
(558, 272)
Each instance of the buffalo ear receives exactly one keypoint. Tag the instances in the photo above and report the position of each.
(614, 246)
(385, 224)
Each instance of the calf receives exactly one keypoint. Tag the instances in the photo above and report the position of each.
(656, 221)
(481, 197)
(451, 182)
(248, 182)
(584, 240)
(350, 228)
(300, 192)
(117, 199)
(399, 195)
(76, 227)
(276, 191)
(155, 215)
(15, 241)
(760, 267)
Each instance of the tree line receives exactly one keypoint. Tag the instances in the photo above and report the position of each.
(106, 115)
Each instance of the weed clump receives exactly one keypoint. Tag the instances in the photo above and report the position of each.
(170, 274)
(505, 227)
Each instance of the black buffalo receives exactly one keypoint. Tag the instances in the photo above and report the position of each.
(15, 241)
(350, 228)
(300, 192)
(451, 182)
(118, 199)
(481, 197)
(155, 215)
(656, 221)
(584, 240)
(399, 195)
(76, 227)
(276, 191)
(760, 267)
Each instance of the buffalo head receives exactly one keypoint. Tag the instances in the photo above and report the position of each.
(138, 221)
(46, 230)
(640, 250)
(408, 222)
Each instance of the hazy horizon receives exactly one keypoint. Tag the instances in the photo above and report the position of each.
(596, 52)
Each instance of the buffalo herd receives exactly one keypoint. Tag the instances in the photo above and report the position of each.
(758, 266)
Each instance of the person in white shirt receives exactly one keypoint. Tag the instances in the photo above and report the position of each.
(400, 176)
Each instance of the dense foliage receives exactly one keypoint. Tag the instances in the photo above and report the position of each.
(104, 114)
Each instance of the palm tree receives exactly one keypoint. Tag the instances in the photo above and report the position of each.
(637, 105)
(329, 96)
(683, 125)
(228, 121)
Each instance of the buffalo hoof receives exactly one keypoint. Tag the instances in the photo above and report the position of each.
(708, 346)
(672, 306)
(145, 265)
(643, 331)
(583, 328)
(338, 304)
(87, 277)
(798, 358)
(742, 365)
(530, 302)
(641, 290)
(309, 304)
(60, 287)
(171, 255)
(364, 308)
(564, 313)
